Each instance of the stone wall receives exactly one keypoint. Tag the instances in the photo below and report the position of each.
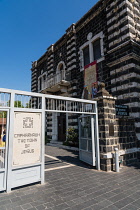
(115, 133)
(119, 68)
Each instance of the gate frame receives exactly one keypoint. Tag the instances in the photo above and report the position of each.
(11, 136)
(42, 110)
(6, 147)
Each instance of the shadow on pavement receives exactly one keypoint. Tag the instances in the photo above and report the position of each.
(134, 165)
(74, 160)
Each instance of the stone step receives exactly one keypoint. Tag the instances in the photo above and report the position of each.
(53, 143)
(60, 145)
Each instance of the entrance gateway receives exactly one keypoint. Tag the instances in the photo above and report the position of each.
(22, 134)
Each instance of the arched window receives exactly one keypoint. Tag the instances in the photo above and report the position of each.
(61, 69)
(61, 66)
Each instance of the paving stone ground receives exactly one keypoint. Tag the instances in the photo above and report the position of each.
(77, 187)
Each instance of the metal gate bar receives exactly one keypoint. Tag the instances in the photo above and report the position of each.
(2, 157)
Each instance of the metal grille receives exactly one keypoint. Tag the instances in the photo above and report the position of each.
(59, 105)
(26, 101)
(52, 103)
(4, 99)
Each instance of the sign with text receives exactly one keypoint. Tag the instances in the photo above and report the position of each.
(122, 110)
(27, 138)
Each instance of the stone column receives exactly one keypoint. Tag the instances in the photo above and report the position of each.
(108, 128)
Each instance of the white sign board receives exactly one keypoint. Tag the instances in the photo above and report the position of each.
(27, 138)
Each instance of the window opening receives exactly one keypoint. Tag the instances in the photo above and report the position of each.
(86, 55)
(97, 49)
(61, 67)
(44, 77)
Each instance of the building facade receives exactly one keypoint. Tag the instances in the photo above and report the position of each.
(102, 47)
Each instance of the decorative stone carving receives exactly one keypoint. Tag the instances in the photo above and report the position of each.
(89, 36)
(102, 91)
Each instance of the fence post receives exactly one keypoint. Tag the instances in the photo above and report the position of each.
(116, 160)
(43, 140)
(10, 144)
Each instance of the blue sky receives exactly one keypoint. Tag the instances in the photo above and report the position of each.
(27, 29)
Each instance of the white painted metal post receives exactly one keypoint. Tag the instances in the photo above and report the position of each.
(4, 150)
(66, 119)
(79, 126)
(116, 160)
(97, 139)
(10, 146)
(43, 140)
(93, 140)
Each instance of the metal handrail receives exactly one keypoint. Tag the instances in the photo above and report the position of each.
(54, 79)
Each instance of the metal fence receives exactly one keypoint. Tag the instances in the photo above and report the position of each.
(14, 101)
(53, 103)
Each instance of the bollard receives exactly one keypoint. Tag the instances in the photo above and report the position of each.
(116, 160)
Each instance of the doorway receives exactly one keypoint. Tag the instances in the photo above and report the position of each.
(61, 127)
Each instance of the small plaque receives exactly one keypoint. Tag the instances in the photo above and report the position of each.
(122, 110)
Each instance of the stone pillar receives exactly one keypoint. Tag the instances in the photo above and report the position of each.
(108, 128)
(54, 127)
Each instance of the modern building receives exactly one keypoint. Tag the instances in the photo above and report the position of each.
(103, 46)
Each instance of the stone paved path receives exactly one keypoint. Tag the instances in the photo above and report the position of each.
(73, 185)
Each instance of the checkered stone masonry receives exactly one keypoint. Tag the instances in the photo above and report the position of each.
(114, 133)
(118, 68)
(107, 118)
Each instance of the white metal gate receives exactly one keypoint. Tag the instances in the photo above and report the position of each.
(4, 127)
(87, 139)
(30, 108)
